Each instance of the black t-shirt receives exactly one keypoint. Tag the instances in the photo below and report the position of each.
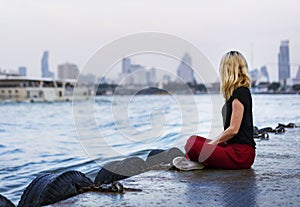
(245, 133)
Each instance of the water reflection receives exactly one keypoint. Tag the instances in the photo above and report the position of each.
(211, 187)
(239, 189)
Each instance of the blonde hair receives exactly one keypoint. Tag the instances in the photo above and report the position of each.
(233, 73)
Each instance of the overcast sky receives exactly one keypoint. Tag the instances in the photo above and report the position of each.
(74, 30)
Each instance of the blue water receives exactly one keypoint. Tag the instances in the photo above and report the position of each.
(41, 137)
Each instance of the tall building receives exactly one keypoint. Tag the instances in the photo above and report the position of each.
(138, 75)
(67, 71)
(45, 66)
(284, 61)
(254, 75)
(184, 70)
(126, 65)
(133, 73)
(298, 73)
(264, 75)
(151, 76)
(22, 71)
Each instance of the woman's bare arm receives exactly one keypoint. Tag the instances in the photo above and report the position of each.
(235, 123)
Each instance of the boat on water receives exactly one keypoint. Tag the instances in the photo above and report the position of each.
(20, 89)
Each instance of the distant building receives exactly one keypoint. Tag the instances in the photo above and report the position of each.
(166, 79)
(264, 75)
(133, 74)
(151, 76)
(45, 66)
(126, 65)
(87, 78)
(135, 67)
(284, 61)
(68, 71)
(254, 75)
(22, 71)
(294, 81)
(298, 73)
(138, 75)
(184, 70)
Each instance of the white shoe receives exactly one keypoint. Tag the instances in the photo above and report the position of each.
(182, 163)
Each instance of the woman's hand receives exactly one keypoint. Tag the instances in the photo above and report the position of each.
(214, 142)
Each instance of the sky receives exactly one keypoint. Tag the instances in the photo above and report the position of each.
(72, 30)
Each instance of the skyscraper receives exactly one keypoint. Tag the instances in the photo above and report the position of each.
(67, 71)
(254, 74)
(284, 61)
(151, 76)
(45, 66)
(184, 70)
(264, 74)
(298, 73)
(126, 65)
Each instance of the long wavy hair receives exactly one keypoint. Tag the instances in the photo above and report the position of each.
(233, 73)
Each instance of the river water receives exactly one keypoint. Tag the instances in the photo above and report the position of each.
(43, 137)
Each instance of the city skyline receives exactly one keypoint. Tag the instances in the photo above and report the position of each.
(284, 46)
(70, 71)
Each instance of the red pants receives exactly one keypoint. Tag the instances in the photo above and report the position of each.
(227, 156)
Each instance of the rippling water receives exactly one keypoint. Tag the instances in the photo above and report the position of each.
(41, 137)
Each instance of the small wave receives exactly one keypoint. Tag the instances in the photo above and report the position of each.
(52, 155)
(6, 124)
(9, 152)
(119, 145)
(169, 137)
(21, 168)
(107, 124)
(66, 166)
(141, 124)
(140, 153)
(103, 101)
